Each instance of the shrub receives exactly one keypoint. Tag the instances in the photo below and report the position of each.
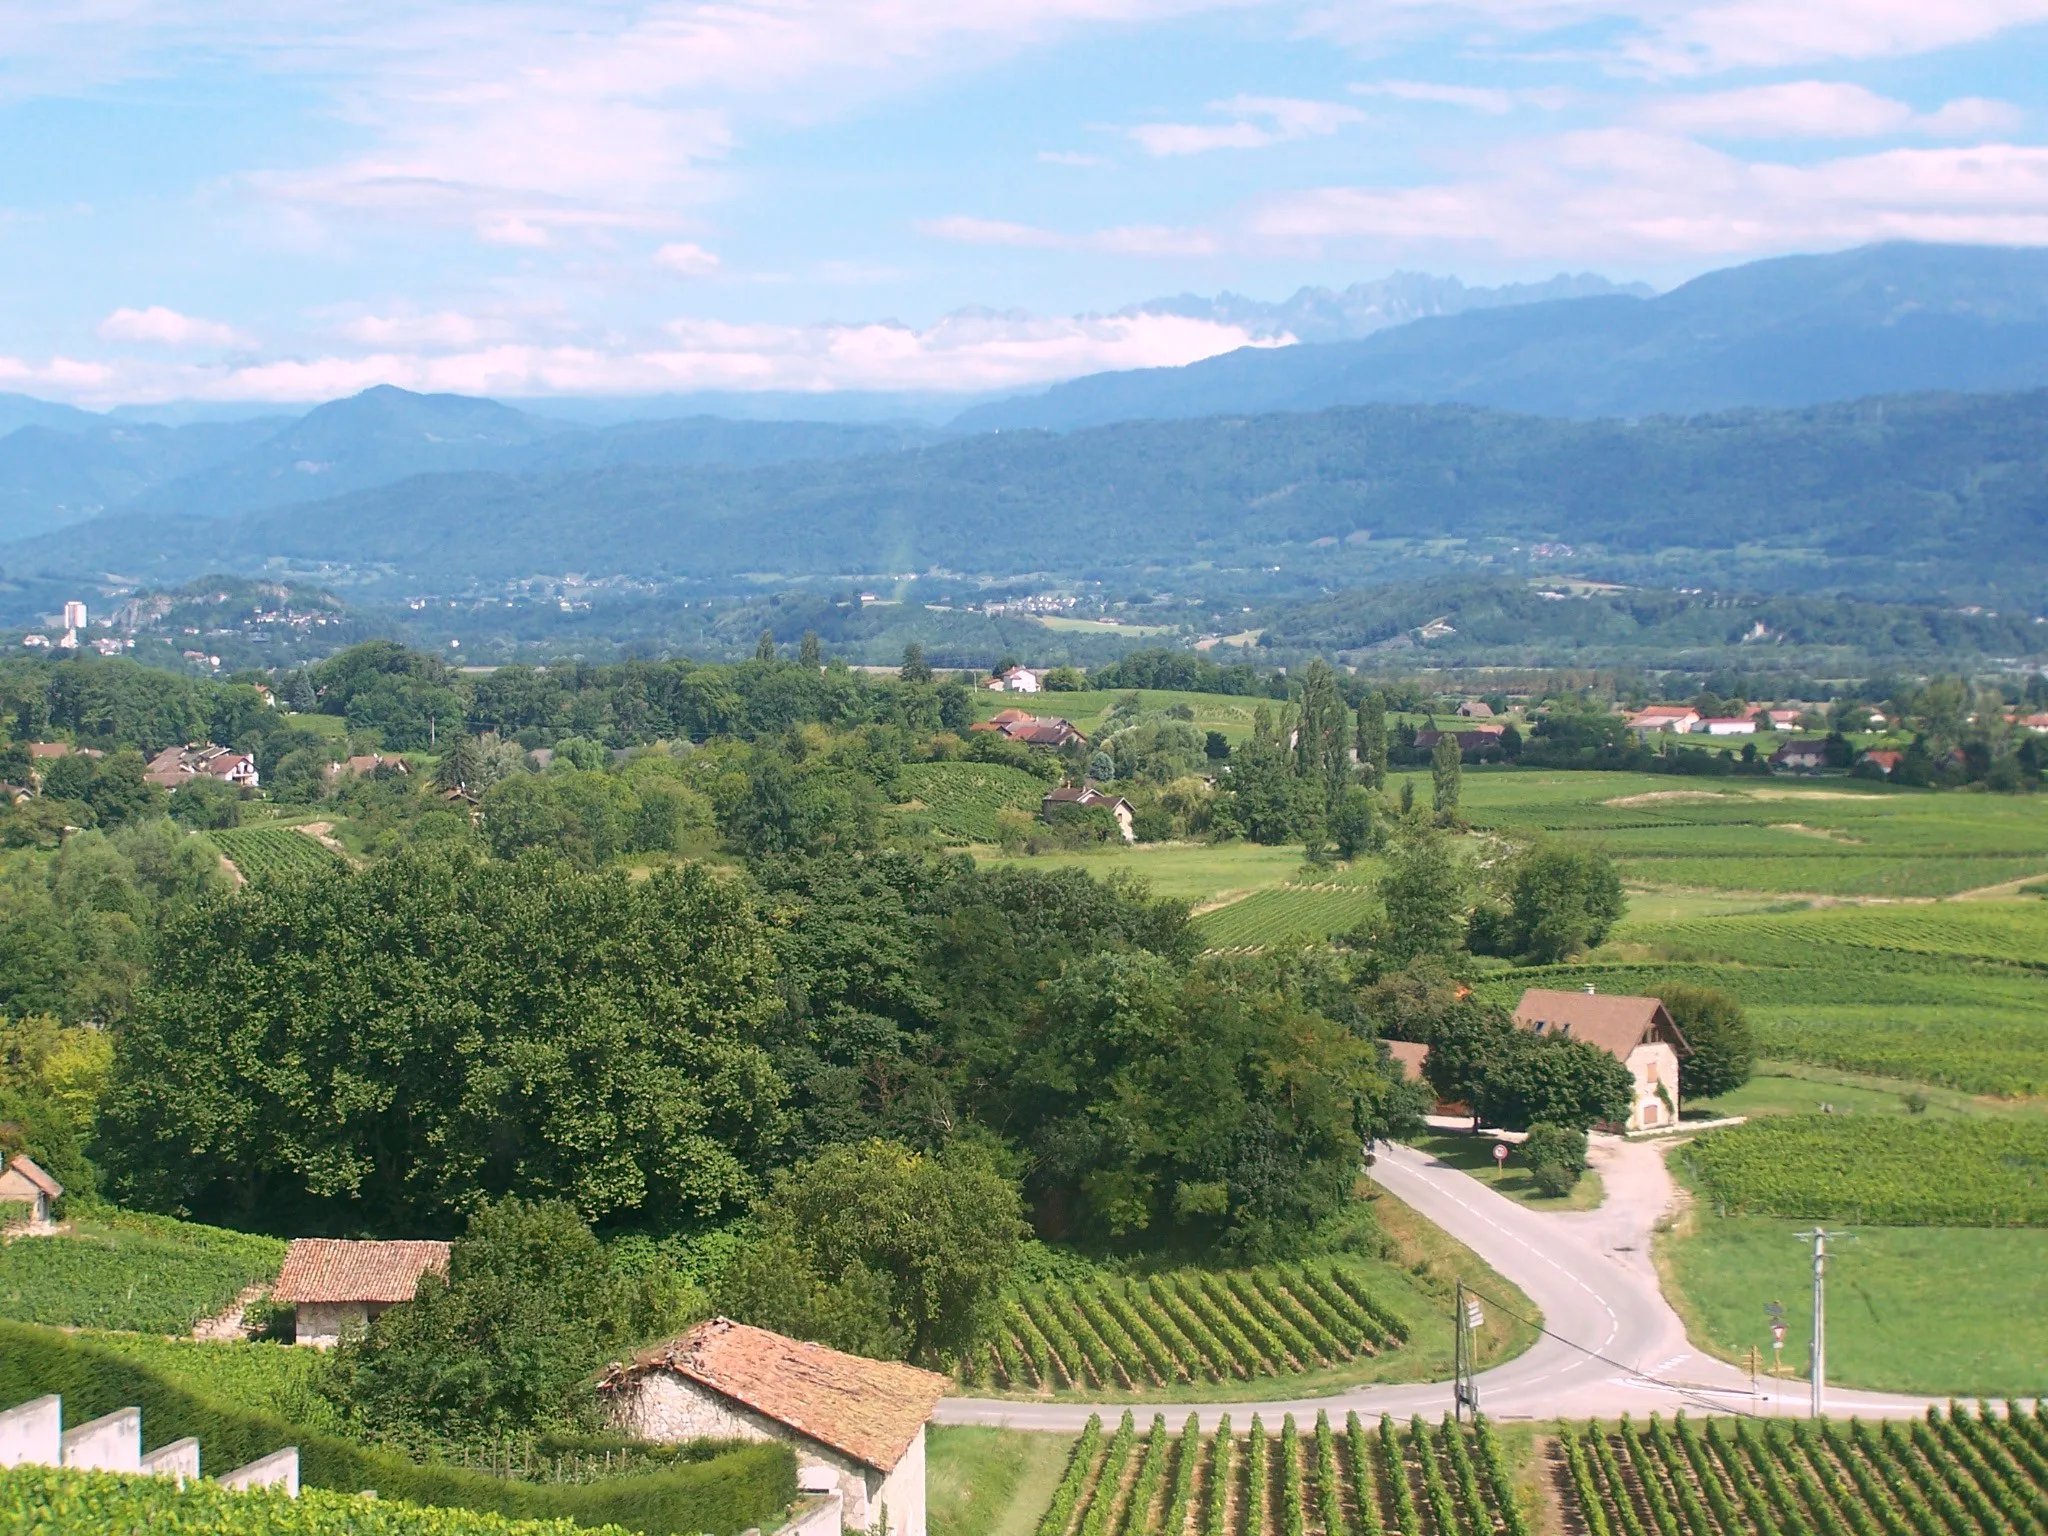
(1723, 1048)
(747, 1486)
(1561, 1145)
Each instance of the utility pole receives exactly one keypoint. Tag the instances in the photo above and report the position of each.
(1819, 1238)
(1464, 1390)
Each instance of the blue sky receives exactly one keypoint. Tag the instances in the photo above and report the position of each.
(250, 200)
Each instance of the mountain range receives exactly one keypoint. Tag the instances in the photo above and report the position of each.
(1798, 330)
(1896, 497)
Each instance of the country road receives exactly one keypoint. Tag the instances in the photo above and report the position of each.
(1613, 1345)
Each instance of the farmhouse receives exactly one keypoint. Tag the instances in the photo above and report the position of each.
(175, 766)
(1807, 755)
(1681, 718)
(1729, 725)
(1015, 680)
(1637, 1031)
(339, 1286)
(1884, 760)
(1476, 709)
(22, 1182)
(1086, 796)
(1032, 730)
(857, 1426)
(364, 764)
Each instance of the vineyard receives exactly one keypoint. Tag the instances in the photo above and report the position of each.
(262, 851)
(146, 1273)
(1184, 1326)
(961, 800)
(63, 1503)
(1894, 1171)
(1287, 911)
(1953, 1474)
(1358, 1481)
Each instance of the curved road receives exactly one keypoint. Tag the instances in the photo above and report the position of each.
(1614, 1344)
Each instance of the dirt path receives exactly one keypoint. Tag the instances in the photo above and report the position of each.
(226, 1326)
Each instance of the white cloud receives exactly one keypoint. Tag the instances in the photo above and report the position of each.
(688, 259)
(1773, 34)
(1125, 240)
(973, 350)
(1284, 118)
(166, 327)
(1490, 100)
(1629, 194)
(1821, 109)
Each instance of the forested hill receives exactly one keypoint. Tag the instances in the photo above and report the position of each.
(1887, 496)
(1795, 330)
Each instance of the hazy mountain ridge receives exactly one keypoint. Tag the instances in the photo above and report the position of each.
(1788, 332)
(1901, 496)
(1349, 314)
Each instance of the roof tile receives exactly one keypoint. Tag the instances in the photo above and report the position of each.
(320, 1269)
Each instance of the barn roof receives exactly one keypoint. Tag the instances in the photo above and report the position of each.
(326, 1269)
(870, 1410)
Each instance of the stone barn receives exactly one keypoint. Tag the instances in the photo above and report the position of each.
(338, 1286)
(22, 1181)
(856, 1425)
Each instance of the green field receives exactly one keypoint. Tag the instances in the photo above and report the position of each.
(959, 801)
(261, 851)
(1203, 874)
(1939, 1310)
(990, 1482)
(146, 1273)
(1311, 908)
(1838, 837)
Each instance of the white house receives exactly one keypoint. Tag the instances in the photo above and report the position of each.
(857, 1426)
(1638, 1031)
(338, 1286)
(1728, 725)
(1019, 680)
(1682, 719)
(175, 766)
(22, 1182)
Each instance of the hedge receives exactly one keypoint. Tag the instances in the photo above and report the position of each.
(748, 1486)
(50, 1502)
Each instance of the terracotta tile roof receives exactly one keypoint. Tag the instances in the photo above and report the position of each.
(1609, 1020)
(35, 1175)
(1410, 1055)
(331, 1269)
(870, 1410)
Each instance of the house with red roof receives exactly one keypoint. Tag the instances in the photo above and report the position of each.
(857, 1426)
(1637, 1031)
(339, 1287)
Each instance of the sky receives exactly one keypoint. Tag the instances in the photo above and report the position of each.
(248, 200)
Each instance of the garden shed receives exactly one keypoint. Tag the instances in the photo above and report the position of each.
(337, 1286)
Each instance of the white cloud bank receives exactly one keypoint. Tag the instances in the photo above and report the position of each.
(159, 326)
(1260, 121)
(972, 350)
(1824, 109)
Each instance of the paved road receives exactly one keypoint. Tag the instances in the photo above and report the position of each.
(1614, 1343)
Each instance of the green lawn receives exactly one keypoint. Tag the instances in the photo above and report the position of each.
(990, 1482)
(1940, 1310)
(1226, 712)
(1474, 1155)
(1201, 873)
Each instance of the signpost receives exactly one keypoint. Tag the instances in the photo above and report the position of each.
(1500, 1155)
(1775, 1311)
(1464, 1391)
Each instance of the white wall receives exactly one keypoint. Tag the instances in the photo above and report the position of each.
(322, 1323)
(666, 1407)
(1653, 1065)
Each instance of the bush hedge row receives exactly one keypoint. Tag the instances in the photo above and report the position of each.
(747, 1486)
(52, 1502)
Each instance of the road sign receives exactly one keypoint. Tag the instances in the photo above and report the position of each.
(1777, 1335)
(1500, 1153)
(1474, 1318)
(1775, 1311)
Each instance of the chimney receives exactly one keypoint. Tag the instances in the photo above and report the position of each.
(1589, 989)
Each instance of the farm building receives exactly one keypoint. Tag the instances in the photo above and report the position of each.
(1637, 1031)
(175, 766)
(338, 1286)
(857, 1426)
(1016, 680)
(1884, 760)
(1808, 755)
(1729, 725)
(1032, 730)
(1475, 739)
(1476, 709)
(1681, 718)
(22, 1182)
(1087, 796)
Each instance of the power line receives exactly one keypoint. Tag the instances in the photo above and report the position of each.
(1690, 1394)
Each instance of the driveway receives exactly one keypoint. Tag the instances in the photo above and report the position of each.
(1613, 1344)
